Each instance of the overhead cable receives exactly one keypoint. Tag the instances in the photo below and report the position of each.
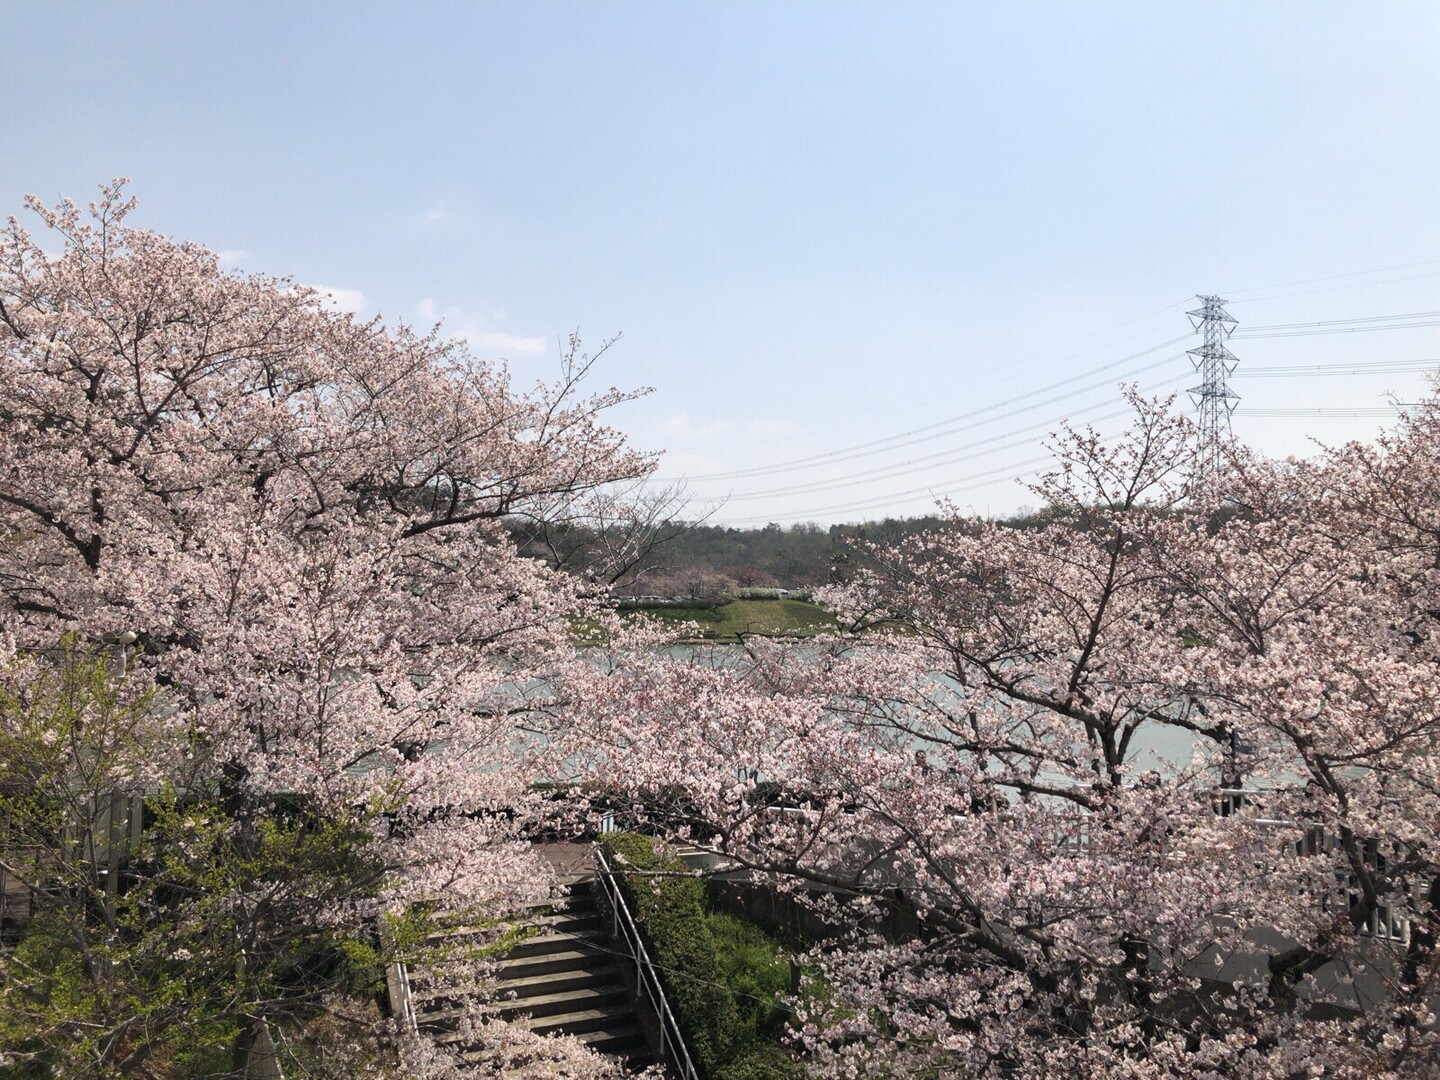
(951, 425)
(950, 456)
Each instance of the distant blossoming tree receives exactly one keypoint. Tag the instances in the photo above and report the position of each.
(1154, 782)
(287, 525)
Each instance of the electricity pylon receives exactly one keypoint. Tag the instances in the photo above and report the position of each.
(1213, 398)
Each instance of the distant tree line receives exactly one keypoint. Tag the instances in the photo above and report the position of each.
(695, 559)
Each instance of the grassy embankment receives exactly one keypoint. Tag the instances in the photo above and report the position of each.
(736, 618)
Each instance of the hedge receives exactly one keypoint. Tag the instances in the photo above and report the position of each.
(718, 973)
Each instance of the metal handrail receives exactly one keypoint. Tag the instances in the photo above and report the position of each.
(646, 973)
(407, 1002)
(397, 982)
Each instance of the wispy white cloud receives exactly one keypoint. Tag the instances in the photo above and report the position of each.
(351, 300)
(498, 341)
(438, 212)
(676, 465)
(681, 426)
(231, 257)
(477, 331)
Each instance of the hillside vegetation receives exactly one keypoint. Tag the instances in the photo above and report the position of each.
(736, 618)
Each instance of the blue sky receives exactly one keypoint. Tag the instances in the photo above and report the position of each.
(818, 226)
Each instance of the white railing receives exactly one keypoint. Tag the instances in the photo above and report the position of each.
(623, 928)
(407, 1001)
(397, 984)
(1382, 922)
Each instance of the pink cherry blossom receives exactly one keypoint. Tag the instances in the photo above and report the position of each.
(291, 523)
(1027, 743)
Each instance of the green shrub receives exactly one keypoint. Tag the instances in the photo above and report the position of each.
(759, 1063)
(755, 970)
(661, 882)
(724, 977)
(672, 917)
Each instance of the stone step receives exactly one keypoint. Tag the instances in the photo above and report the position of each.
(579, 997)
(518, 986)
(547, 944)
(612, 1030)
(566, 922)
(579, 890)
(539, 1008)
(441, 993)
(575, 956)
(545, 985)
(458, 938)
(635, 1062)
(583, 1021)
(578, 907)
(576, 917)
(621, 1038)
(439, 1027)
(566, 978)
(620, 1041)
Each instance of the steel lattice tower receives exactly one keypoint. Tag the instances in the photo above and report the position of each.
(1214, 400)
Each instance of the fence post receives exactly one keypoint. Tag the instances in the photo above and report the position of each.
(113, 834)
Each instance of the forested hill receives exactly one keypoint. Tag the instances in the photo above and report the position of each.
(793, 556)
(696, 559)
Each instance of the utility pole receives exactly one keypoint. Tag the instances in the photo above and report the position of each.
(1213, 398)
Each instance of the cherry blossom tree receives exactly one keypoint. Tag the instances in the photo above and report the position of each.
(286, 525)
(1150, 790)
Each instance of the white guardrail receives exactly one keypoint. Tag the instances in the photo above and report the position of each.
(397, 984)
(623, 928)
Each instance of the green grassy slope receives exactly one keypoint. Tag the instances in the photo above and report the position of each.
(776, 617)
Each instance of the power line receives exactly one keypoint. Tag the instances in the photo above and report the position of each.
(1353, 321)
(949, 456)
(1377, 367)
(1222, 402)
(1332, 277)
(1006, 472)
(929, 393)
(953, 425)
(947, 427)
(958, 454)
(1342, 288)
(1325, 413)
(995, 419)
(1252, 336)
(983, 479)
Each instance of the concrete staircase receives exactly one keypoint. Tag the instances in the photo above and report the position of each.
(565, 979)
